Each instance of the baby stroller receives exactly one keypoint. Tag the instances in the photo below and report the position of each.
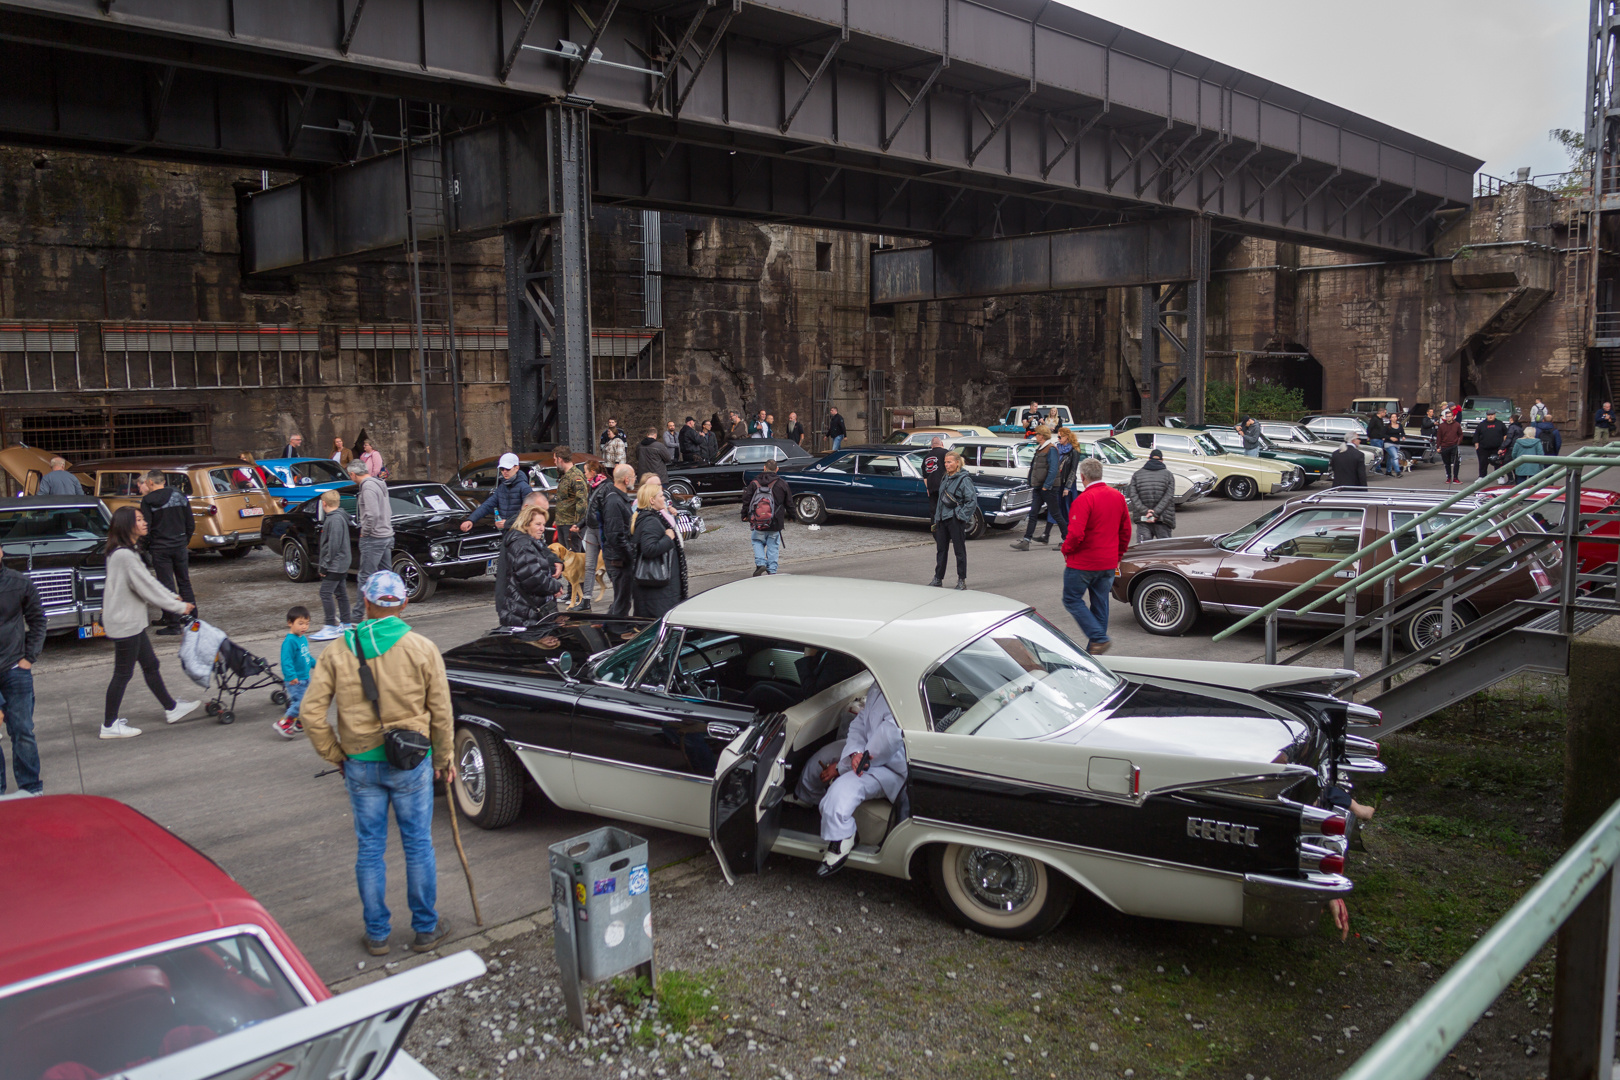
(236, 671)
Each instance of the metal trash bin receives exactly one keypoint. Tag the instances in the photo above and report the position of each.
(601, 906)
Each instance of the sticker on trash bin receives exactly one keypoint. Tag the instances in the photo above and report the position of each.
(646, 924)
(614, 934)
(584, 916)
(638, 879)
(579, 891)
(603, 886)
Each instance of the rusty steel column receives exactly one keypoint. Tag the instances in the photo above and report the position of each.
(568, 130)
(1193, 368)
(1147, 379)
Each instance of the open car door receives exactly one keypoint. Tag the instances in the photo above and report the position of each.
(354, 1036)
(746, 801)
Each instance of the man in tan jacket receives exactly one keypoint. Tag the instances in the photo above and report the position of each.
(413, 694)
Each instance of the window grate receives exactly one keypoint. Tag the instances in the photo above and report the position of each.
(86, 434)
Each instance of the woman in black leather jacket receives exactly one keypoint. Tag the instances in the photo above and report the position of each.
(532, 574)
(652, 534)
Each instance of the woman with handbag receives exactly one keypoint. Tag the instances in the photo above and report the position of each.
(532, 576)
(953, 515)
(660, 558)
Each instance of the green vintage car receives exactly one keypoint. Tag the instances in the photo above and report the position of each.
(1314, 463)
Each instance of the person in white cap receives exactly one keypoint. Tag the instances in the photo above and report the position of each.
(507, 498)
(407, 691)
(869, 762)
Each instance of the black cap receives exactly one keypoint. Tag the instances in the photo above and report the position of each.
(1157, 455)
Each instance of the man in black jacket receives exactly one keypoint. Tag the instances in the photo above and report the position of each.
(836, 429)
(933, 470)
(1349, 464)
(1151, 499)
(653, 456)
(710, 444)
(22, 638)
(691, 443)
(617, 508)
(1489, 438)
(1043, 481)
(169, 528)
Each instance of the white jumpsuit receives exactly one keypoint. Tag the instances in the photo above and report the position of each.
(874, 729)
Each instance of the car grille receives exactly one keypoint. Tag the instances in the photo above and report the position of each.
(55, 587)
(488, 545)
(1017, 498)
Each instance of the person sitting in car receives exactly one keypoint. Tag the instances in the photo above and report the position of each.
(868, 763)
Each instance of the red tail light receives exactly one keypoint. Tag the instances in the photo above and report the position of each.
(213, 511)
(1332, 864)
(1334, 826)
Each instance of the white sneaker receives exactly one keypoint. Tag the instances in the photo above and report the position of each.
(326, 633)
(119, 729)
(181, 710)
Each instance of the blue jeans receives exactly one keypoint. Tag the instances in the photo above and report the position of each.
(765, 547)
(1392, 455)
(1080, 586)
(838, 441)
(1252, 452)
(17, 695)
(373, 786)
(375, 554)
(295, 696)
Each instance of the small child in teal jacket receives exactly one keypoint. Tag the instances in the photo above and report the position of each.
(296, 664)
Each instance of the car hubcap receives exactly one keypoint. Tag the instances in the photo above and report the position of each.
(809, 508)
(411, 575)
(294, 561)
(996, 879)
(1161, 606)
(1240, 489)
(470, 773)
(1426, 628)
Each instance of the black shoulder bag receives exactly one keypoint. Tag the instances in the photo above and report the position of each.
(403, 747)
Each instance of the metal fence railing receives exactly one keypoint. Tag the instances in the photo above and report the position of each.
(1576, 900)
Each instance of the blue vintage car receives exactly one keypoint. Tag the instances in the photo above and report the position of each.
(296, 480)
(885, 482)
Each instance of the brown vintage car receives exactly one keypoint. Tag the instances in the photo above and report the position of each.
(1168, 583)
(227, 500)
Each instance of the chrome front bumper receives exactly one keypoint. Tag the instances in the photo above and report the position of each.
(240, 538)
(71, 617)
(1008, 517)
(1289, 907)
(1199, 489)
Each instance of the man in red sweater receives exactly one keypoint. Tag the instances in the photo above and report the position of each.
(1099, 533)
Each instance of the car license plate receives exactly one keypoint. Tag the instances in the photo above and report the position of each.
(93, 630)
(252, 511)
(490, 569)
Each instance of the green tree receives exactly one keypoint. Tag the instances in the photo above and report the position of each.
(1262, 400)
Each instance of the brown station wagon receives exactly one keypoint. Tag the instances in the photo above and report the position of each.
(227, 500)
(1168, 583)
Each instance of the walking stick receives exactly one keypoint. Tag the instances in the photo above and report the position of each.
(455, 833)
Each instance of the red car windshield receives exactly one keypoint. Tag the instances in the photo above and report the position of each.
(117, 1017)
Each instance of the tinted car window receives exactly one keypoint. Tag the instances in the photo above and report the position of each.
(1326, 533)
(1238, 537)
(998, 457)
(845, 464)
(619, 665)
(753, 455)
(1398, 518)
(421, 499)
(878, 465)
(1144, 441)
(119, 485)
(482, 477)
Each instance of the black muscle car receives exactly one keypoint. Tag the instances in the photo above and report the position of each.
(726, 477)
(1176, 789)
(60, 542)
(428, 541)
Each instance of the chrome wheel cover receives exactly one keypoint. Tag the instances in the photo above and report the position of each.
(997, 880)
(1161, 605)
(292, 561)
(1426, 627)
(411, 574)
(470, 772)
(808, 508)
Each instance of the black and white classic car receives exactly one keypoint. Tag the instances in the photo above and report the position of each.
(1204, 792)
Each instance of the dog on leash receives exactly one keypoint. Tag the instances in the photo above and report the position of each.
(574, 573)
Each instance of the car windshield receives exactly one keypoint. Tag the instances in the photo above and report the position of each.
(43, 531)
(1208, 444)
(304, 473)
(1110, 450)
(110, 1019)
(615, 668)
(1237, 538)
(421, 499)
(1021, 680)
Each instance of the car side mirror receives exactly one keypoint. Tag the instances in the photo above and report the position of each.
(563, 664)
(1270, 555)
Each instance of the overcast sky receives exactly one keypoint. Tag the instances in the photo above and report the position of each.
(1487, 77)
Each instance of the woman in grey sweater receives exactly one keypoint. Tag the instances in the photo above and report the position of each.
(130, 588)
(953, 516)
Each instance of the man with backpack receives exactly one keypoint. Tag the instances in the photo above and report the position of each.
(765, 509)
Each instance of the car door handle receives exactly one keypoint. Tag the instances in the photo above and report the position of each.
(1345, 574)
(724, 731)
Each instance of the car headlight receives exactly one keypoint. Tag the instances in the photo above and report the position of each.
(1004, 496)
(438, 552)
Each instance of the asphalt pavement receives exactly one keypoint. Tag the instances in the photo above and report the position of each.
(249, 800)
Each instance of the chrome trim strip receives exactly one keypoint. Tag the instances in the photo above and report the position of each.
(1086, 793)
(171, 945)
(649, 769)
(1118, 856)
(548, 751)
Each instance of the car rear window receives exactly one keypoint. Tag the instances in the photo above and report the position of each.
(113, 1018)
(234, 481)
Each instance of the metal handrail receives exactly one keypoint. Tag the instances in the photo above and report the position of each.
(1418, 1042)
(1596, 458)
